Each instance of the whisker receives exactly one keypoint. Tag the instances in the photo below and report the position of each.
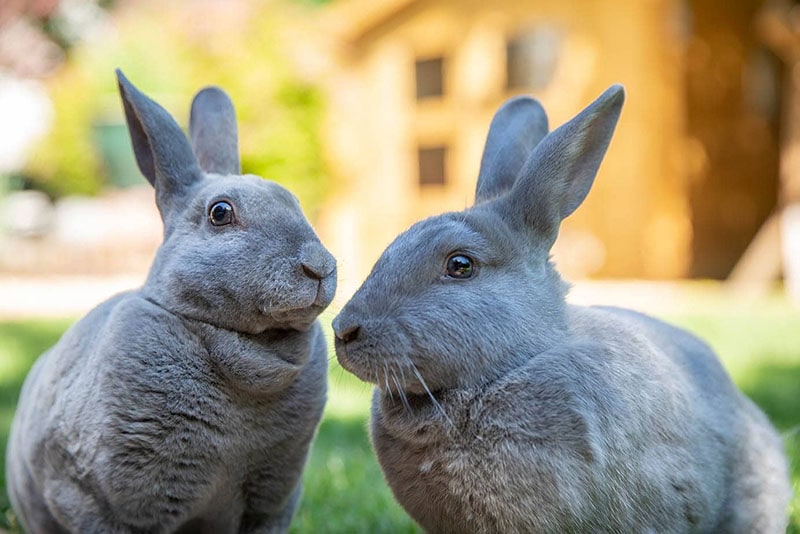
(405, 402)
(402, 376)
(386, 380)
(339, 374)
(402, 393)
(430, 395)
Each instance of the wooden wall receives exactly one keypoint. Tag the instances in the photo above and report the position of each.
(637, 220)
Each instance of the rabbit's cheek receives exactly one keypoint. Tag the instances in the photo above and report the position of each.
(288, 297)
(349, 361)
(378, 349)
(356, 358)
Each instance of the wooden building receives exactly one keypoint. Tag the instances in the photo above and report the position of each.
(690, 175)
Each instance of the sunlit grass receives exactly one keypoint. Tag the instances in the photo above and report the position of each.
(344, 489)
(760, 347)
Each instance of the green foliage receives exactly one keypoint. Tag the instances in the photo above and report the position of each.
(65, 162)
(344, 490)
(170, 51)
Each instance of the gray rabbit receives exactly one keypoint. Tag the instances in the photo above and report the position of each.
(190, 404)
(500, 408)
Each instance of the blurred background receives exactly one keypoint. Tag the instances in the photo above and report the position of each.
(374, 112)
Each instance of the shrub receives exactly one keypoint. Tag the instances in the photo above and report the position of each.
(170, 50)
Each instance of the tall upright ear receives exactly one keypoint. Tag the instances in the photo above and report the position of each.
(212, 129)
(559, 173)
(516, 129)
(161, 148)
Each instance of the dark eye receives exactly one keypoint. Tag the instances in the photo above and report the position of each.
(220, 213)
(459, 266)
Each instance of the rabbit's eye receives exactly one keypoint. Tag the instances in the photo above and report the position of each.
(220, 213)
(459, 266)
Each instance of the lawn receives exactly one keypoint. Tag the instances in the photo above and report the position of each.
(344, 488)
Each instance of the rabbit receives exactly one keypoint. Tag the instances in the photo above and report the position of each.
(187, 405)
(499, 407)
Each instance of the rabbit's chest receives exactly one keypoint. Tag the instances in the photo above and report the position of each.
(208, 452)
(453, 485)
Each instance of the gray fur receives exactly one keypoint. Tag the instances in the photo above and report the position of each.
(518, 126)
(500, 408)
(189, 404)
(212, 125)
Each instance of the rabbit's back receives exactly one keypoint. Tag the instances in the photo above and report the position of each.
(156, 431)
(730, 440)
(44, 433)
(614, 430)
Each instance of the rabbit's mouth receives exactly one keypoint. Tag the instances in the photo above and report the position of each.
(307, 307)
(314, 299)
(393, 376)
(298, 317)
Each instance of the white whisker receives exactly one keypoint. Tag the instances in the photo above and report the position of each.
(402, 376)
(386, 380)
(401, 392)
(430, 395)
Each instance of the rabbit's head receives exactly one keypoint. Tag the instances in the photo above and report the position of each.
(238, 252)
(461, 298)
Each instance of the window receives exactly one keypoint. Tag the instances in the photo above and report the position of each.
(532, 58)
(432, 168)
(430, 78)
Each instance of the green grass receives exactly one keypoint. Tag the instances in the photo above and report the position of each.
(344, 487)
(20, 344)
(760, 347)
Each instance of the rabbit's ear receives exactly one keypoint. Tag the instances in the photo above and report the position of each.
(162, 151)
(558, 175)
(516, 129)
(212, 128)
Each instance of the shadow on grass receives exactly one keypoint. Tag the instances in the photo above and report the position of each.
(344, 489)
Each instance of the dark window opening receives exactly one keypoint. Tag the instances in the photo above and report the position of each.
(430, 78)
(532, 58)
(432, 165)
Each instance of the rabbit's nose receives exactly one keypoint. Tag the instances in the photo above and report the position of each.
(316, 262)
(348, 333)
(313, 271)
